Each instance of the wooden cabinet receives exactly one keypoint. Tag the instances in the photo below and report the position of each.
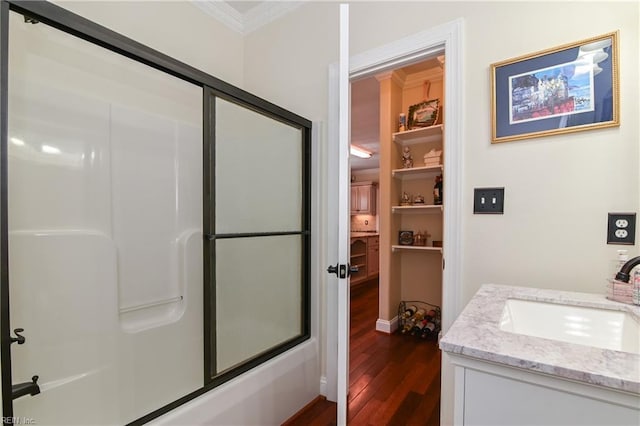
(373, 256)
(365, 254)
(359, 258)
(363, 198)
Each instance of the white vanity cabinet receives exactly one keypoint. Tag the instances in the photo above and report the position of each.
(491, 394)
(557, 371)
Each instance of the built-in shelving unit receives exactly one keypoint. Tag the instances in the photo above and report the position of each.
(417, 260)
(416, 172)
(421, 135)
(412, 177)
(417, 209)
(416, 248)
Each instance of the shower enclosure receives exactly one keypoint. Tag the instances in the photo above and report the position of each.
(155, 225)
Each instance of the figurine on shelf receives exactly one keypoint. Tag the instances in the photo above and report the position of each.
(419, 239)
(407, 160)
(418, 199)
(405, 200)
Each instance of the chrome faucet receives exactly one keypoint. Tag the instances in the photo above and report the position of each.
(623, 274)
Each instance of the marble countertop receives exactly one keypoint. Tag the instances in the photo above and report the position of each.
(476, 333)
(364, 234)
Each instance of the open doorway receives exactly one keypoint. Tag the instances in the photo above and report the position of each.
(393, 377)
(444, 38)
(395, 373)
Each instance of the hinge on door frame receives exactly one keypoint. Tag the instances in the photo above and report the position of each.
(443, 263)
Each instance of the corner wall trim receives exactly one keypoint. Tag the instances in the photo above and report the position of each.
(387, 326)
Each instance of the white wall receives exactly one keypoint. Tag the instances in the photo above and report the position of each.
(176, 28)
(558, 189)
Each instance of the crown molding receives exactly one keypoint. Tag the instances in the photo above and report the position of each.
(397, 76)
(223, 13)
(255, 18)
(266, 13)
(418, 79)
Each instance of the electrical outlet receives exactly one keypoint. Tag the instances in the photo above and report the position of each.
(621, 228)
(488, 201)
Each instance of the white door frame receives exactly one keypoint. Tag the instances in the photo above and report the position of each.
(394, 55)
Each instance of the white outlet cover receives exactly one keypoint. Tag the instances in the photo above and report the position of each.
(622, 223)
(621, 233)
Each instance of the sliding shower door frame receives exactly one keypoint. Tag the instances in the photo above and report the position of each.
(85, 29)
(211, 236)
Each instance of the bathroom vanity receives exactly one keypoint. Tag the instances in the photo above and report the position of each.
(544, 357)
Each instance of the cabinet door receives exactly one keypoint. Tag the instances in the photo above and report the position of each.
(363, 198)
(359, 259)
(373, 256)
(371, 194)
(354, 199)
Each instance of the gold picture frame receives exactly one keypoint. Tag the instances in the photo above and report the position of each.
(565, 89)
(424, 114)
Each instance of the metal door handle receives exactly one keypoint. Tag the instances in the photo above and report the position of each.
(342, 271)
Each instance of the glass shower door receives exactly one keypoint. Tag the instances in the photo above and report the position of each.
(260, 236)
(105, 230)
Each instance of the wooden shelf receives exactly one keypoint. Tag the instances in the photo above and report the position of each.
(424, 209)
(416, 248)
(424, 134)
(353, 256)
(416, 172)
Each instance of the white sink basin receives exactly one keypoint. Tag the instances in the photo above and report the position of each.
(602, 328)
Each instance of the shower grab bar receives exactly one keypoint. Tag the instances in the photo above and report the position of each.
(150, 304)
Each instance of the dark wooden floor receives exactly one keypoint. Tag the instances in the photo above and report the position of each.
(394, 379)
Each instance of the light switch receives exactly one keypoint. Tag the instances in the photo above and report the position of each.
(488, 201)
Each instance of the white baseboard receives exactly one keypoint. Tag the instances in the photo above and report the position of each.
(387, 326)
(323, 386)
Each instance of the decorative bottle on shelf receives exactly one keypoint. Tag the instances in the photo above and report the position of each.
(437, 191)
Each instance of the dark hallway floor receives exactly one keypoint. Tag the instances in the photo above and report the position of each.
(394, 379)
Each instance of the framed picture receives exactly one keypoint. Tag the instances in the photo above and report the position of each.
(424, 114)
(405, 238)
(560, 90)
